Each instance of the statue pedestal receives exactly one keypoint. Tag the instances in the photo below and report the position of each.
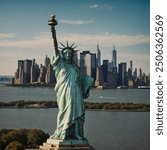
(55, 144)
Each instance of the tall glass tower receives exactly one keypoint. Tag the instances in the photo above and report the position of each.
(114, 57)
(114, 60)
(122, 77)
(98, 56)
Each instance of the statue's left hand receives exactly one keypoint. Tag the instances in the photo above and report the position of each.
(86, 95)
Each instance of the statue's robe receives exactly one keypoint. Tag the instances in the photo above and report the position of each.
(70, 89)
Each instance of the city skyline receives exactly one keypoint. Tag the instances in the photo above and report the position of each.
(24, 32)
(130, 63)
(30, 72)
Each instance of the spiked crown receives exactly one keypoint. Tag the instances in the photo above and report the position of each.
(64, 48)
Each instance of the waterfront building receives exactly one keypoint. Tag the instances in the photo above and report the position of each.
(129, 74)
(47, 72)
(148, 80)
(114, 57)
(90, 64)
(34, 72)
(131, 66)
(104, 69)
(27, 70)
(130, 78)
(23, 72)
(50, 77)
(122, 77)
(114, 60)
(99, 77)
(98, 53)
(99, 73)
(140, 74)
(46, 61)
(20, 63)
(130, 83)
(130, 70)
(19, 74)
(42, 74)
(22, 75)
(111, 80)
(135, 73)
(82, 62)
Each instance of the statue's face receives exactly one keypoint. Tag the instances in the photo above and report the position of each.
(68, 54)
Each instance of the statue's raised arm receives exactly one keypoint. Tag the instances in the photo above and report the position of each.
(52, 22)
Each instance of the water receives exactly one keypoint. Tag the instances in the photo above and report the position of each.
(9, 93)
(104, 130)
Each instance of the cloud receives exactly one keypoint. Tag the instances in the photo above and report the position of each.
(39, 41)
(76, 22)
(85, 41)
(94, 6)
(5, 35)
(100, 6)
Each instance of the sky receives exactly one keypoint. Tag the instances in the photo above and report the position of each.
(25, 34)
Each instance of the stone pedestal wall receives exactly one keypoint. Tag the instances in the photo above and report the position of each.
(54, 144)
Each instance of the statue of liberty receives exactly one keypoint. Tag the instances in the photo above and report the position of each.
(71, 89)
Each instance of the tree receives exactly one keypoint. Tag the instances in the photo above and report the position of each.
(15, 146)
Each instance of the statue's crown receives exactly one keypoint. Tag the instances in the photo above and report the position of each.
(64, 48)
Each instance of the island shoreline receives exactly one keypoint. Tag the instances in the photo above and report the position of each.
(89, 106)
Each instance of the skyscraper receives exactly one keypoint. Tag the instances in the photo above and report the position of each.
(50, 77)
(122, 77)
(140, 74)
(114, 57)
(114, 60)
(27, 70)
(130, 70)
(41, 78)
(104, 69)
(34, 72)
(19, 75)
(82, 62)
(98, 56)
(131, 65)
(99, 77)
(135, 73)
(47, 61)
(90, 64)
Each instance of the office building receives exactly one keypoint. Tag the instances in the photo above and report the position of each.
(90, 64)
(27, 70)
(82, 62)
(34, 72)
(122, 74)
(104, 69)
(50, 77)
(98, 53)
(42, 74)
(46, 61)
(113, 65)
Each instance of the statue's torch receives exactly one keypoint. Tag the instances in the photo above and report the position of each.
(52, 23)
